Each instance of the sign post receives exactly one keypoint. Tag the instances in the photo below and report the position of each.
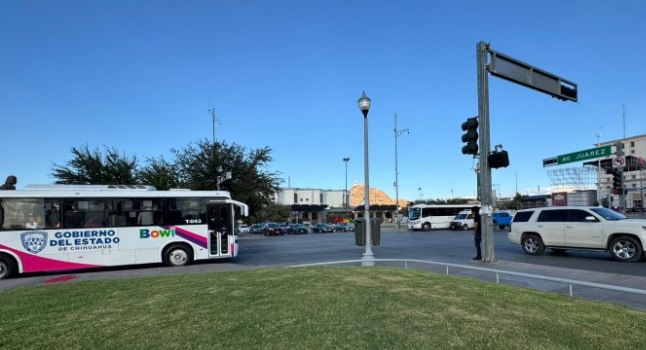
(508, 68)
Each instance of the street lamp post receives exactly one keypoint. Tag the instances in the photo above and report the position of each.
(397, 134)
(345, 192)
(368, 257)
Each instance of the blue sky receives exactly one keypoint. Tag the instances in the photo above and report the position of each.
(141, 76)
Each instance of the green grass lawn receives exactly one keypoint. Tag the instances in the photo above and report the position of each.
(310, 308)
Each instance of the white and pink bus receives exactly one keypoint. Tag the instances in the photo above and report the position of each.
(69, 227)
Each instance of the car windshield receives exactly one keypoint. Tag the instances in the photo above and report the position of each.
(461, 216)
(273, 225)
(608, 214)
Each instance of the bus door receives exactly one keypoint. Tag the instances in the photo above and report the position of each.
(220, 228)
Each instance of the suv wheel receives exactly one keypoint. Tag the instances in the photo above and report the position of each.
(465, 227)
(625, 249)
(532, 244)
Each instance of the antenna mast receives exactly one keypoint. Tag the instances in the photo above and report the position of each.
(212, 110)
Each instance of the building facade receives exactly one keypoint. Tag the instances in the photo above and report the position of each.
(634, 149)
(310, 205)
(310, 196)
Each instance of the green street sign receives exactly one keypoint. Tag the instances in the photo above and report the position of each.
(592, 153)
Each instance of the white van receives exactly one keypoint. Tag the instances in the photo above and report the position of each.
(464, 220)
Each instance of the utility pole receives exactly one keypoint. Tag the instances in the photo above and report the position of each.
(397, 134)
(482, 52)
(212, 110)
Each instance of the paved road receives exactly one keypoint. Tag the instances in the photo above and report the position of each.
(454, 248)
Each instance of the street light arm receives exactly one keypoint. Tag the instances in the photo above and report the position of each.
(400, 132)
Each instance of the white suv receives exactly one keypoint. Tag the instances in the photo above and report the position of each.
(572, 227)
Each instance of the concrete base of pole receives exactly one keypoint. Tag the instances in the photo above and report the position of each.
(368, 260)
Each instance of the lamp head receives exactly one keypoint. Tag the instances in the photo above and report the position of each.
(364, 104)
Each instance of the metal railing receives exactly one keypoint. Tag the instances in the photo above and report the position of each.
(497, 273)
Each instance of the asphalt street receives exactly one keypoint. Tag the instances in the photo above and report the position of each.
(438, 251)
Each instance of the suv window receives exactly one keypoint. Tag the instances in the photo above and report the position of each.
(559, 215)
(608, 214)
(523, 216)
(577, 215)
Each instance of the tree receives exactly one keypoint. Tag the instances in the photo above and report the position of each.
(196, 167)
(517, 202)
(273, 212)
(159, 173)
(93, 167)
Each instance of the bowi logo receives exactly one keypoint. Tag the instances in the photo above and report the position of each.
(34, 241)
(146, 233)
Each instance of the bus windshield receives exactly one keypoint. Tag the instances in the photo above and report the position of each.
(414, 213)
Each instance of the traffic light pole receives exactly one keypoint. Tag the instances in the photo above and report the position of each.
(619, 152)
(508, 68)
(485, 191)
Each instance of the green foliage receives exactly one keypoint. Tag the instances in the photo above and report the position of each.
(159, 173)
(273, 212)
(195, 167)
(94, 167)
(200, 165)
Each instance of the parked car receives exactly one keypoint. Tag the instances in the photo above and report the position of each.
(322, 228)
(283, 229)
(296, 229)
(243, 229)
(255, 229)
(579, 227)
(343, 227)
(272, 229)
(502, 219)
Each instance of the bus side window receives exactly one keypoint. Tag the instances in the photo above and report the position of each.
(23, 213)
(72, 218)
(52, 214)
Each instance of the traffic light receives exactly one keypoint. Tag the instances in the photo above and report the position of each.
(617, 181)
(498, 159)
(471, 136)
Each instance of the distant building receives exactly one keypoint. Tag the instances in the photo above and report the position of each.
(311, 205)
(310, 196)
(634, 172)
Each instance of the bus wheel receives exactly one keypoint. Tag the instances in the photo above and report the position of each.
(7, 267)
(426, 226)
(177, 255)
